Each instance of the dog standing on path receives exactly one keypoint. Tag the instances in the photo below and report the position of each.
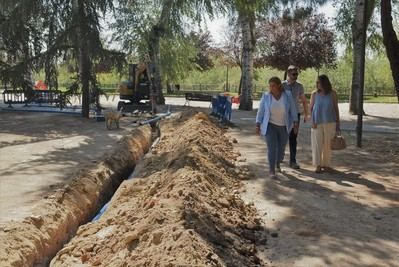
(112, 116)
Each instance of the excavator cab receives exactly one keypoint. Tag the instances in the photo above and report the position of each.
(135, 93)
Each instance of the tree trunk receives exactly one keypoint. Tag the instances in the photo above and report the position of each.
(83, 56)
(362, 7)
(84, 69)
(50, 69)
(168, 87)
(357, 42)
(247, 29)
(155, 69)
(240, 85)
(391, 41)
(157, 32)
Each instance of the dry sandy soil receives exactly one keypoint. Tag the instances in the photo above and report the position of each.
(52, 220)
(40, 152)
(182, 208)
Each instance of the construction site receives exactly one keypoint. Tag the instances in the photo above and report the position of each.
(199, 133)
(190, 192)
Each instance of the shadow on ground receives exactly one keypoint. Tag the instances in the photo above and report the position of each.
(42, 151)
(344, 218)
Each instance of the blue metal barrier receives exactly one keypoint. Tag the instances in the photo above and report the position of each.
(222, 107)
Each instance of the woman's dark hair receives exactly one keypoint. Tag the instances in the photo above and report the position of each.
(275, 80)
(325, 83)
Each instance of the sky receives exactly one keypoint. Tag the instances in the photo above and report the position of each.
(217, 26)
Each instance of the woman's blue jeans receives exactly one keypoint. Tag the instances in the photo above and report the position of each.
(276, 139)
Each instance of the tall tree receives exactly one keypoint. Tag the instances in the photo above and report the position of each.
(359, 39)
(248, 13)
(154, 47)
(246, 20)
(280, 40)
(158, 20)
(361, 22)
(70, 28)
(20, 41)
(79, 17)
(391, 41)
(82, 29)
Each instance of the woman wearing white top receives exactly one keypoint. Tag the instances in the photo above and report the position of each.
(277, 116)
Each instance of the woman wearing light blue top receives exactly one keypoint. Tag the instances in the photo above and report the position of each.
(277, 116)
(325, 123)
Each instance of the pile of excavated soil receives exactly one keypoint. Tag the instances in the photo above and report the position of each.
(37, 239)
(182, 208)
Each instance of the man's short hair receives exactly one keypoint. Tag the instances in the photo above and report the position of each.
(292, 67)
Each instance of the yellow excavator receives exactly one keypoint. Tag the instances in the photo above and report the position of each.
(135, 93)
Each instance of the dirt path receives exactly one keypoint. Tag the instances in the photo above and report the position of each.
(347, 218)
(39, 152)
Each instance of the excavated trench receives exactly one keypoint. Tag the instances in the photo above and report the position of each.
(54, 221)
(183, 207)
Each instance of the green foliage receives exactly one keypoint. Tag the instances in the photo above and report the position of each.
(134, 21)
(177, 58)
(202, 41)
(306, 42)
(39, 34)
(378, 77)
(344, 24)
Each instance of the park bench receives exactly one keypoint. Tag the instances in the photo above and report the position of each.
(197, 97)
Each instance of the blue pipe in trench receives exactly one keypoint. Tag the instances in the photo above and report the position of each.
(105, 207)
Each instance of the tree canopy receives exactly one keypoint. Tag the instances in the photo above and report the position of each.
(307, 42)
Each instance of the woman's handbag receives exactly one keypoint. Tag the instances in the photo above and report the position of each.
(338, 142)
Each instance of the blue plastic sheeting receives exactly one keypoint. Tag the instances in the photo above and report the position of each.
(69, 111)
(101, 212)
(222, 107)
(157, 118)
(103, 209)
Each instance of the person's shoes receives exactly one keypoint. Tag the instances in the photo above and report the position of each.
(328, 169)
(273, 175)
(318, 169)
(278, 168)
(295, 165)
